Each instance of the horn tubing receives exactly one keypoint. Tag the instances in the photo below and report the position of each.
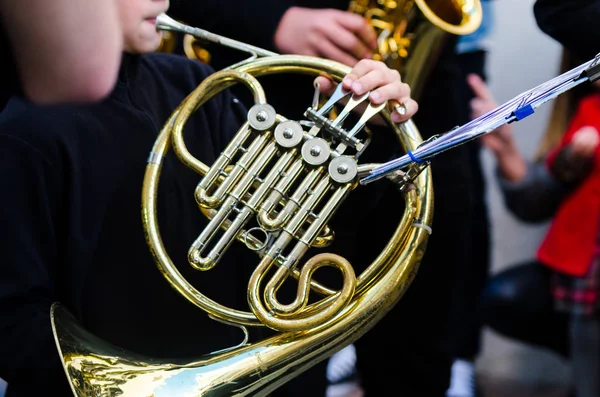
(97, 368)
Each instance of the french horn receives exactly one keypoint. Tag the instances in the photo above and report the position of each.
(411, 33)
(289, 177)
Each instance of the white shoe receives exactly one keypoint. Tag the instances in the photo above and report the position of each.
(342, 365)
(3, 385)
(462, 380)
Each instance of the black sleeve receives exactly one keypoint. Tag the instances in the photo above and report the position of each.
(230, 116)
(29, 360)
(9, 80)
(573, 23)
(570, 170)
(253, 22)
(537, 197)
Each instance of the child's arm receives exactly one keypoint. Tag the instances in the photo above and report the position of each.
(64, 51)
(539, 193)
(511, 164)
(535, 197)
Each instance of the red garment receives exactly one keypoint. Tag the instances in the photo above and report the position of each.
(571, 239)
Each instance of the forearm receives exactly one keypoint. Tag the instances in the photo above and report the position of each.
(536, 196)
(65, 51)
(512, 166)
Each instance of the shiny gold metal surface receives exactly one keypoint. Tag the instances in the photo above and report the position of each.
(411, 33)
(192, 47)
(168, 42)
(291, 202)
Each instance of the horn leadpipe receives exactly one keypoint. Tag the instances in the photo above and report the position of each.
(166, 23)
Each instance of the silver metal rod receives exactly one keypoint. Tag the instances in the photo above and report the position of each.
(166, 23)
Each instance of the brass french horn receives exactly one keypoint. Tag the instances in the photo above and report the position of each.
(411, 33)
(313, 168)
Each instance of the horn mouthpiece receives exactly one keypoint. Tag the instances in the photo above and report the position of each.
(165, 22)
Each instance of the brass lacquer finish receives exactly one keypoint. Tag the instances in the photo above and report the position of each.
(410, 33)
(289, 179)
(192, 48)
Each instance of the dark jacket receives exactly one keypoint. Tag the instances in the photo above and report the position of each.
(536, 197)
(573, 23)
(71, 179)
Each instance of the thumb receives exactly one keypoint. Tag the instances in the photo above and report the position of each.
(326, 86)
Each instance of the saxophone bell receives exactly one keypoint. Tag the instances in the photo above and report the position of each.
(411, 33)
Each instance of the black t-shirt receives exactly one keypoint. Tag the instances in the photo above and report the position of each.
(70, 209)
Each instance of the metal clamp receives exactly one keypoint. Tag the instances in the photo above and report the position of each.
(335, 130)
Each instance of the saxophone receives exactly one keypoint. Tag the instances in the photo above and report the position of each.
(411, 33)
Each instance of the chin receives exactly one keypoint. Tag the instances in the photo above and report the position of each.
(149, 44)
(142, 48)
(153, 45)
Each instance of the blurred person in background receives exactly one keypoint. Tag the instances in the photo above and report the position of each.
(553, 300)
(572, 23)
(472, 273)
